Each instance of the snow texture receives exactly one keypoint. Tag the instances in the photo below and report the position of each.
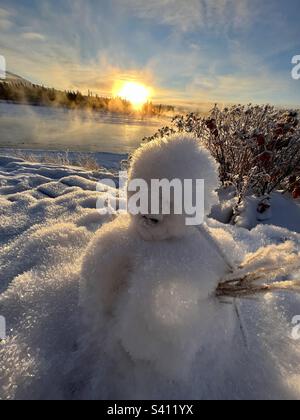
(157, 331)
(148, 289)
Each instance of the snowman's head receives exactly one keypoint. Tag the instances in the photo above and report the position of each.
(174, 159)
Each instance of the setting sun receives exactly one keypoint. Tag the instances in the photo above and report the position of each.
(135, 93)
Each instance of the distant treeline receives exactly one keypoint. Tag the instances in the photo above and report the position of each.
(25, 93)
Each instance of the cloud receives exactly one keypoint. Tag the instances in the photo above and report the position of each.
(5, 20)
(4, 13)
(33, 36)
(188, 50)
(238, 88)
(191, 15)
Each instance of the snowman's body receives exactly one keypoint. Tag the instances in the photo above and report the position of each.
(158, 298)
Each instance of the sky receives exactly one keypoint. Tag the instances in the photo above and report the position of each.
(189, 51)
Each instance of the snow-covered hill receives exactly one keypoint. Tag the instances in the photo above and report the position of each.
(48, 217)
(14, 78)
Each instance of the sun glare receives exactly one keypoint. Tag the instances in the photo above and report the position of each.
(135, 93)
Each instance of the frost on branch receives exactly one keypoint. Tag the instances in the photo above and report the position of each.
(257, 147)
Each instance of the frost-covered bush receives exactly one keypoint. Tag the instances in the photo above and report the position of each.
(257, 147)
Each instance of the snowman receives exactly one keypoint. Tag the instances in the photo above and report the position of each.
(149, 281)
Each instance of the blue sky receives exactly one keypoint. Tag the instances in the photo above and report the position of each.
(189, 51)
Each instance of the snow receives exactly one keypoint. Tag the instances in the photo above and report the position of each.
(283, 211)
(151, 339)
(178, 157)
(124, 275)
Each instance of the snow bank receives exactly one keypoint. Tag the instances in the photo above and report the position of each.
(153, 346)
(283, 211)
(43, 232)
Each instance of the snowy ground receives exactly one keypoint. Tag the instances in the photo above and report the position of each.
(47, 219)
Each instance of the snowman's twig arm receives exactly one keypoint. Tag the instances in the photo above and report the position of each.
(246, 286)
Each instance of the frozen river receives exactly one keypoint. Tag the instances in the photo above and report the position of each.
(26, 127)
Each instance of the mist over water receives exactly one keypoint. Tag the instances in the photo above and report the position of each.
(42, 128)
